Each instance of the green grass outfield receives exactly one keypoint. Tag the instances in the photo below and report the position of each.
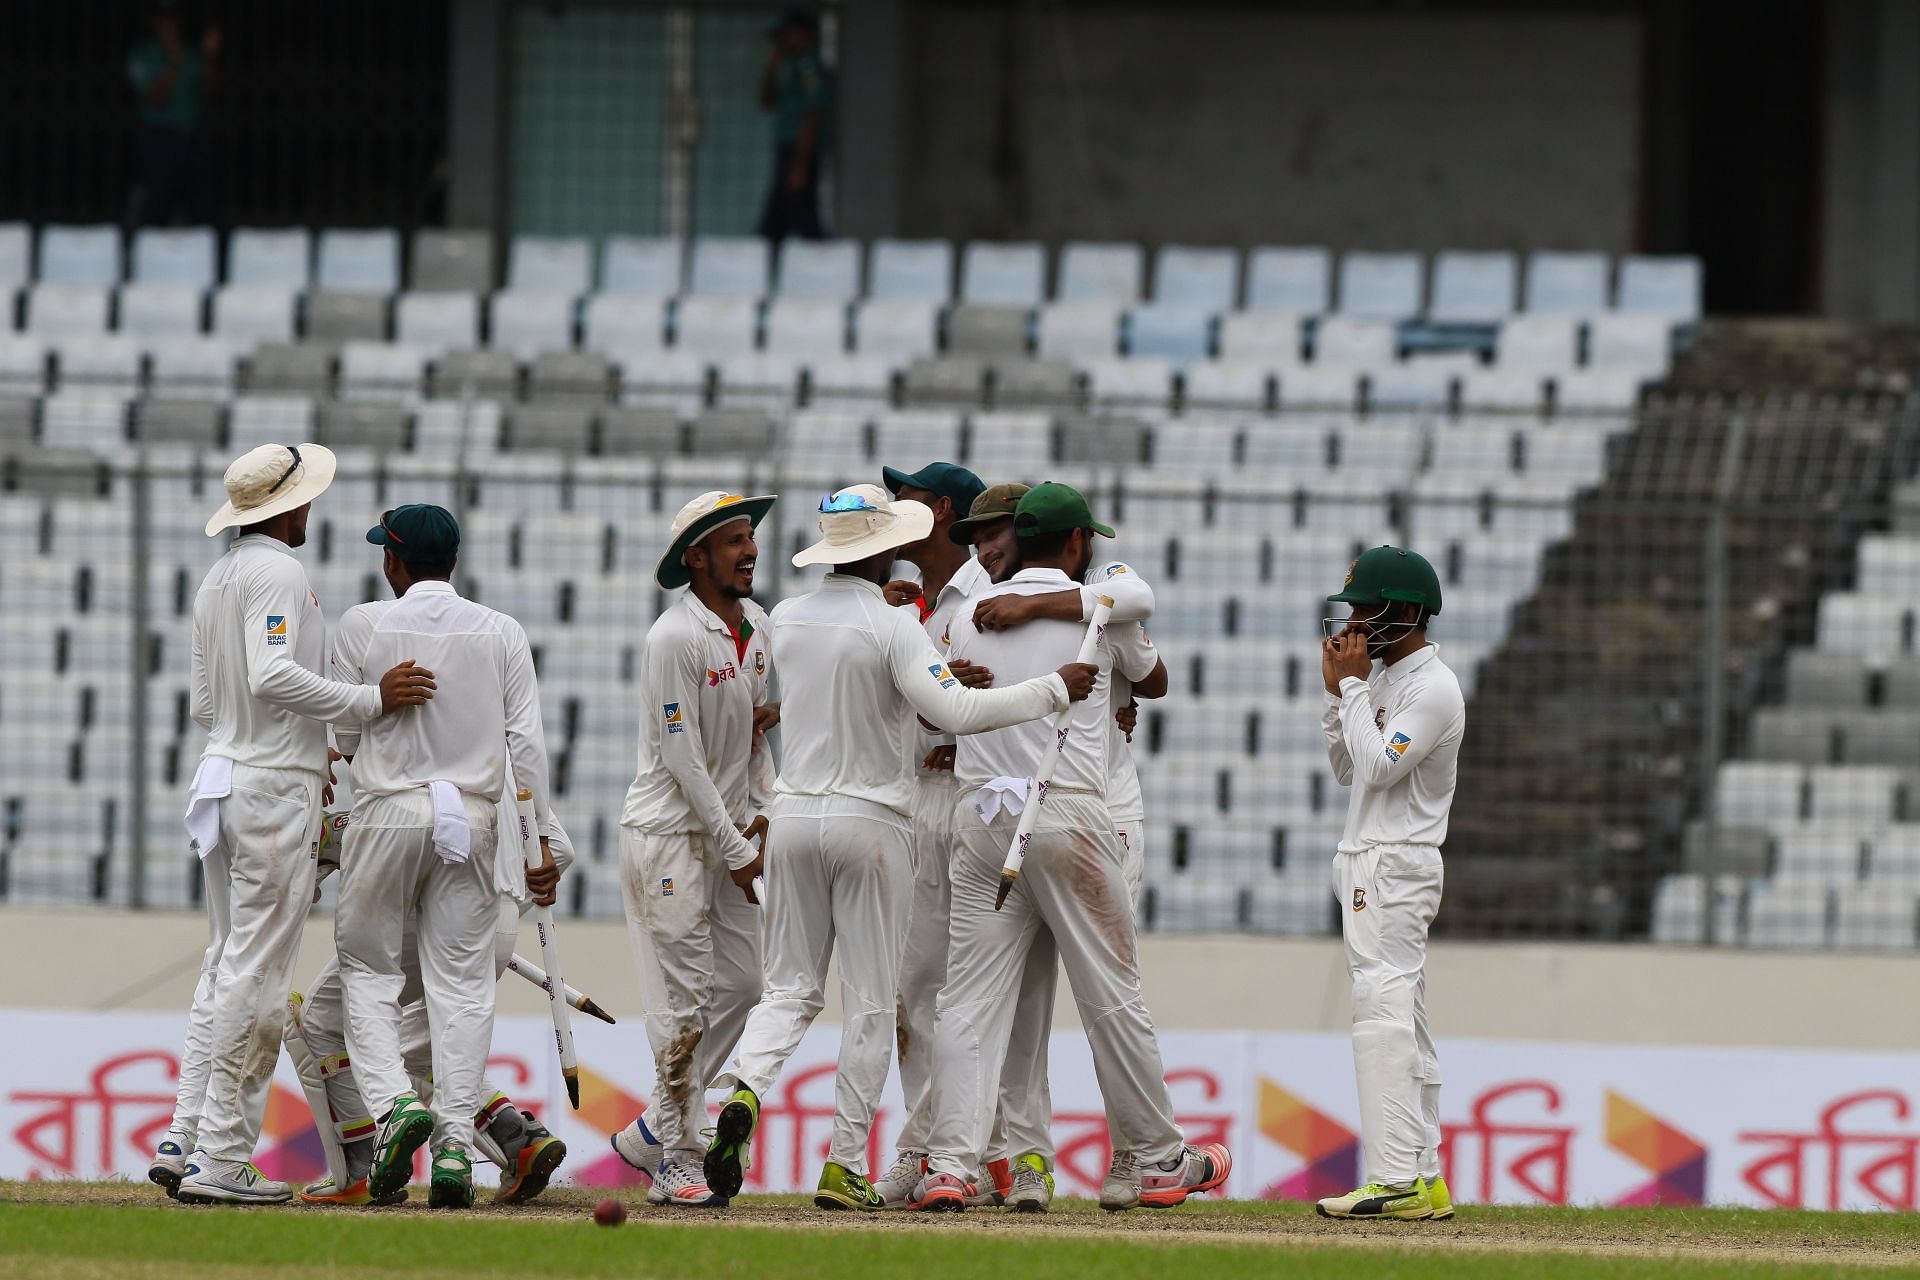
(122, 1231)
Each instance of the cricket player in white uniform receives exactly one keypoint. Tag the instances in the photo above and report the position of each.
(253, 812)
(526, 1152)
(1071, 885)
(687, 853)
(1026, 1101)
(949, 576)
(840, 869)
(1394, 720)
(423, 848)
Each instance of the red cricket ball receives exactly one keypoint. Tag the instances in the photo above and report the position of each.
(610, 1213)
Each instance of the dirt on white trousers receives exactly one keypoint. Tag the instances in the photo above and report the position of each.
(696, 945)
(259, 888)
(1389, 895)
(1072, 887)
(323, 1025)
(389, 874)
(839, 877)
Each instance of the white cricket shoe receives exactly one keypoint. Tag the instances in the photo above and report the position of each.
(209, 1181)
(897, 1183)
(639, 1148)
(170, 1159)
(682, 1181)
(1120, 1189)
(1032, 1185)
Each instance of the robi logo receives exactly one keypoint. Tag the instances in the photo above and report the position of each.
(715, 677)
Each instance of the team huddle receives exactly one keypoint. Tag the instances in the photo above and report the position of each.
(948, 801)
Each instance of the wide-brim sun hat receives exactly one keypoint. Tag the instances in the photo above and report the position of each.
(699, 518)
(271, 480)
(862, 520)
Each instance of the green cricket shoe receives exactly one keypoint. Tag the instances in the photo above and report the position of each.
(451, 1185)
(405, 1130)
(1441, 1197)
(1375, 1200)
(842, 1188)
(727, 1156)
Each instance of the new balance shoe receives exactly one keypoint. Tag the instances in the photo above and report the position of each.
(897, 1183)
(842, 1188)
(727, 1155)
(208, 1181)
(941, 1193)
(1194, 1170)
(170, 1159)
(1032, 1185)
(404, 1131)
(680, 1182)
(531, 1163)
(1120, 1189)
(636, 1145)
(450, 1181)
(992, 1189)
(1377, 1200)
(1441, 1197)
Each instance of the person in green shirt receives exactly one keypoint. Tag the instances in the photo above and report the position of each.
(171, 80)
(797, 87)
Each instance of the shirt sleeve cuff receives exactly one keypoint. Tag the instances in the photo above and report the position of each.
(1351, 685)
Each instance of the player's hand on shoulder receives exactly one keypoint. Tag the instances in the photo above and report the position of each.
(405, 685)
(1003, 613)
(901, 591)
(1080, 678)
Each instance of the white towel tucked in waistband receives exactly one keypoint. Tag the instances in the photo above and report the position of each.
(212, 783)
(1001, 793)
(452, 835)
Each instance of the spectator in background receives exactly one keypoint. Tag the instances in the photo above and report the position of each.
(797, 87)
(170, 81)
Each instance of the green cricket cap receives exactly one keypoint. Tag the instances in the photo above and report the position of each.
(947, 480)
(1390, 573)
(418, 533)
(1054, 508)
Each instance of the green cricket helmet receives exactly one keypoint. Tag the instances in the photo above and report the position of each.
(1390, 574)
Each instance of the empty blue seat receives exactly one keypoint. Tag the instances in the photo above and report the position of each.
(1472, 288)
(826, 270)
(1567, 283)
(550, 264)
(729, 267)
(184, 256)
(1108, 273)
(1013, 274)
(910, 271)
(80, 255)
(1179, 332)
(1663, 286)
(1380, 286)
(1204, 278)
(1292, 280)
(359, 261)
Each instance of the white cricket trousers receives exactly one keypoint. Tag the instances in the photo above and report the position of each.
(389, 872)
(1026, 1099)
(1071, 885)
(323, 1025)
(1389, 895)
(696, 944)
(259, 886)
(839, 874)
(923, 962)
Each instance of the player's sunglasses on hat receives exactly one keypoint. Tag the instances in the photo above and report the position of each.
(386, 527)
(845, 500)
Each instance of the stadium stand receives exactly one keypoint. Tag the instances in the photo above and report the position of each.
(1245, 453)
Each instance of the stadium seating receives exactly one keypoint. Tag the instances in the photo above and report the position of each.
(586, 409)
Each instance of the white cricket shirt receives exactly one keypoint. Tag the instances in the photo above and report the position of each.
(968, 579)
(698, 769)
(1133, 660)
(1395, 739)
(260, 688)
(485, 713)
(1045, 644)
(854, 673)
